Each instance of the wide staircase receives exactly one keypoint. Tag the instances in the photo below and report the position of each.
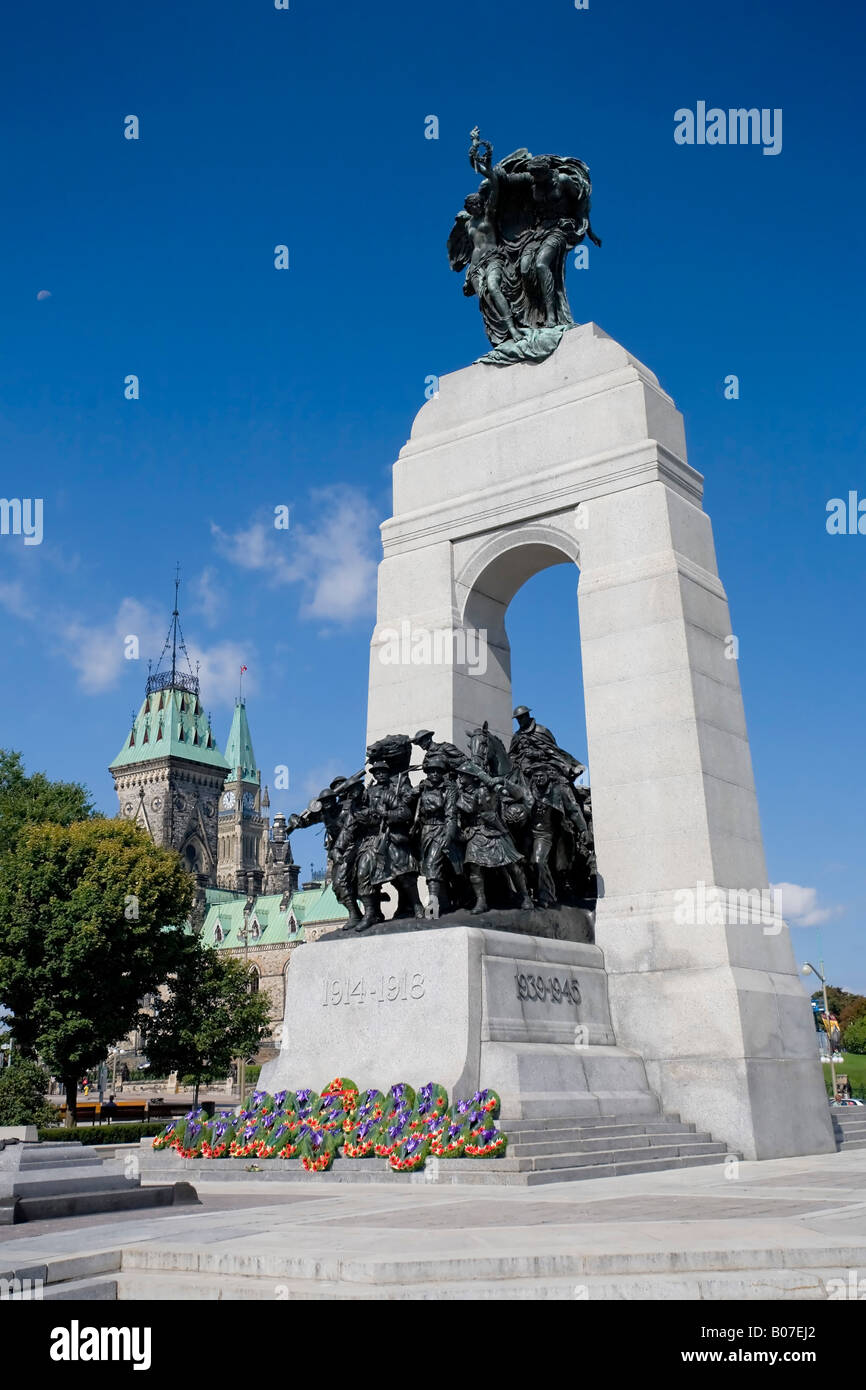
(569, 1150)
(849, 1126)
(62, 1180)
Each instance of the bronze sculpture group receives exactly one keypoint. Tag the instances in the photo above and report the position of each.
(486, 828)
(512, 238)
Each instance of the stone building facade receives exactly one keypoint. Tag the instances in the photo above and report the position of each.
(169, 774)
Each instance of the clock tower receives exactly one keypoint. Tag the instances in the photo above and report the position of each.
(242, 826)
(169, 773)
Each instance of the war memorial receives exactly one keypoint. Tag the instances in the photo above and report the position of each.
(554, 958)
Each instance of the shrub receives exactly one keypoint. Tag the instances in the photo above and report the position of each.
(22, 1094)
(854, 1038)
(101, 1134)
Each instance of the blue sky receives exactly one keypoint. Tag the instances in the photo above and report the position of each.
(260, 387)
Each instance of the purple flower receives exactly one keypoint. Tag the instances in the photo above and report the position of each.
(280, 1097)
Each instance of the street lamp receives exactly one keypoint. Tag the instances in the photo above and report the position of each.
(244, 934)
(810, 970)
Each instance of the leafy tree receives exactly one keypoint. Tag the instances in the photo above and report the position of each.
(854, 1009)
(22, 1094)
(34, 800)
(209, 1017)
(83, 910)
(854, 1037)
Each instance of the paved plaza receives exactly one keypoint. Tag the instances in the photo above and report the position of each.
(782, 1229)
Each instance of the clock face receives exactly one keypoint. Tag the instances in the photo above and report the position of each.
(129, 808)
(249, 800)
(229, 801)
(156, 803)
(209, 808)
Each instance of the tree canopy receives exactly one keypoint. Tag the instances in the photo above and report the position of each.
(35, 800)
(83, 936)
(209, 1016)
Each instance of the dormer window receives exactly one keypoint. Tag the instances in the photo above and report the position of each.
(181, 735)
(218, 933)
(159, 733)
(146, 738)
(132, 739)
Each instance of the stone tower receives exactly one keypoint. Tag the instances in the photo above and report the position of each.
(169, 773)
(242, 824)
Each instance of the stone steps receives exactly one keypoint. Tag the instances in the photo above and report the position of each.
(547, 1149)
(626, 1141)
(849, 1128)
(93, 1201)
(52, 1181)
(150, 1272)
(786, 1284)
(481, 1175)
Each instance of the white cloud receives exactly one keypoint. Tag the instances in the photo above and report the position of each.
(96, 650)
(219, 671)
(13, 598)
(332, 553)
(800, 906)
(207, 599)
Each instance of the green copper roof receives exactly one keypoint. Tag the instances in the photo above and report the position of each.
(170, 723)
(239, 748)
(275, 925)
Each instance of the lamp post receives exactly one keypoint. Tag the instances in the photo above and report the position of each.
(810, 970)
(244, 934)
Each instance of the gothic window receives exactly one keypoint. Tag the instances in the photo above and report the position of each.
(195, 738)
(132, 739)
(181, 736)
(254, 980)
(159, 733)
(146, 738)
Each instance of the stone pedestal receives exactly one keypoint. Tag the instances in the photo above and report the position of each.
(467, 1008)
(582, 460)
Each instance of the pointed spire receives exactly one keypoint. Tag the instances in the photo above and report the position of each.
(239, 746)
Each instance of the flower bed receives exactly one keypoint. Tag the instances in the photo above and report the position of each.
(403, 1126)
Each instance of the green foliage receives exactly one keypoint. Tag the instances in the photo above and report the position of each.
(22, 1094)
(83, 910)
(402, 1126)
(846, 1006)
(101, 1134)
(34, 800)
(854, 1037)
(209, 1017)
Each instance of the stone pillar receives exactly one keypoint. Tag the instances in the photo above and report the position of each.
(583, 459)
